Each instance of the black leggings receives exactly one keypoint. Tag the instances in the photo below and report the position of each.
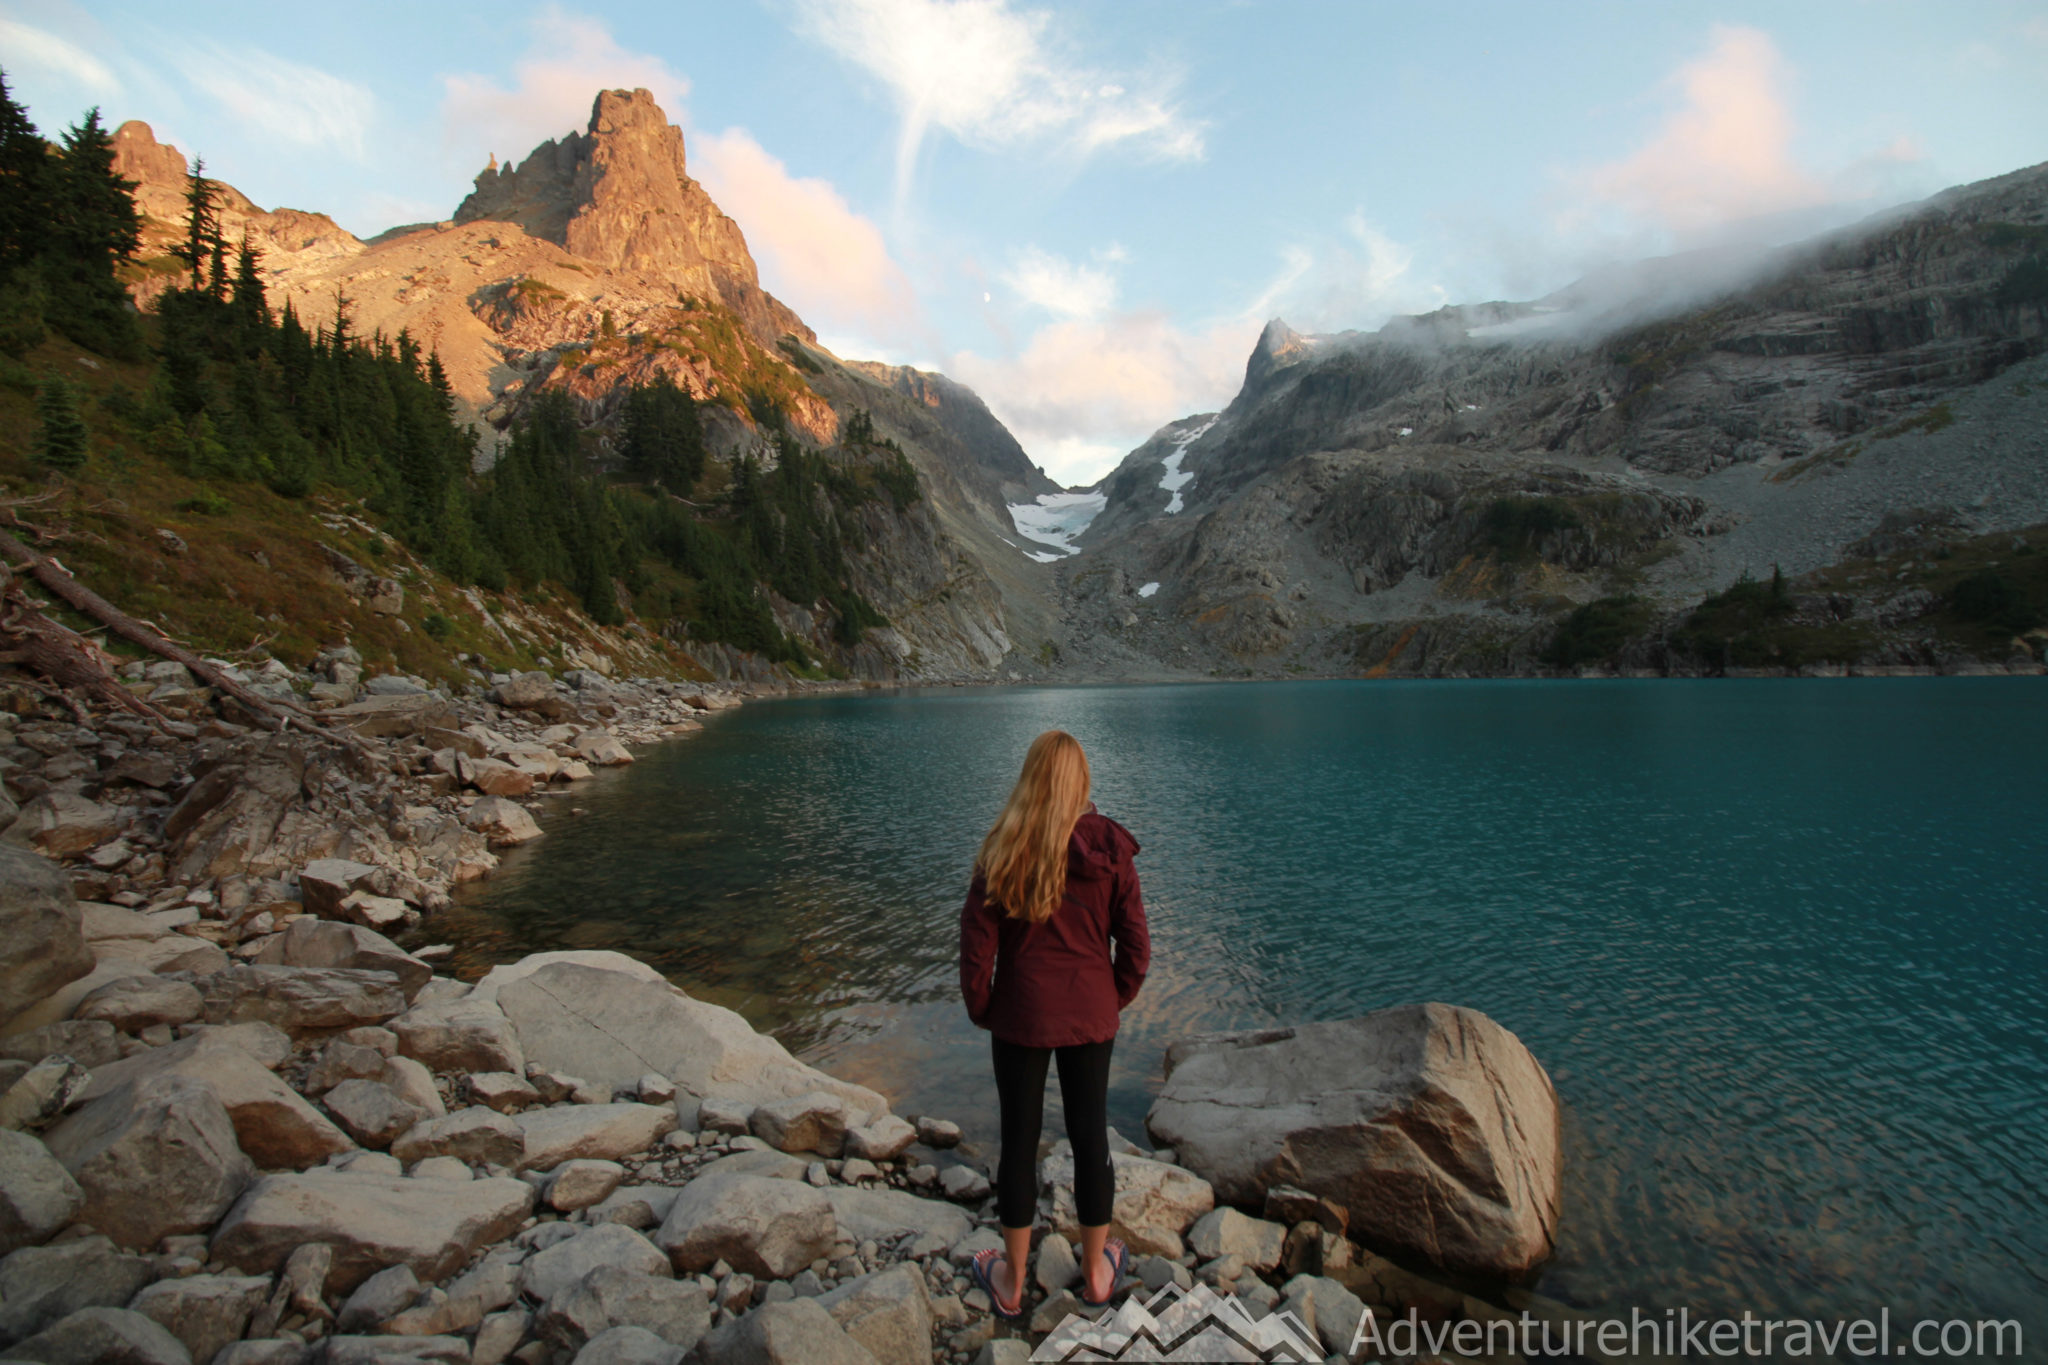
(1084, 1092)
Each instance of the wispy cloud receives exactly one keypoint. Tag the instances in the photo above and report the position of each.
(572, 57)
(826, 260)
(1060, 286)
(279, 99)
(31, 46)
(992, 75)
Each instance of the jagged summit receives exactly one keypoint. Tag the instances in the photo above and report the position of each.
(620, 194)
(1278, 346)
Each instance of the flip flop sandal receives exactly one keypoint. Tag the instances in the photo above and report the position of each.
(981, 1268)
(1119, 1265)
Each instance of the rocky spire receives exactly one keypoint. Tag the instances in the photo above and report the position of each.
(619, 194)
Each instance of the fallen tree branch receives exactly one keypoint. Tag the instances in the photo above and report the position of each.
(66, 658)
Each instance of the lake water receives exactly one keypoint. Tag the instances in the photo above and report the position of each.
(1780, 944)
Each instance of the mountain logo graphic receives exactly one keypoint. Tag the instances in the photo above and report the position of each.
(1182, 1325)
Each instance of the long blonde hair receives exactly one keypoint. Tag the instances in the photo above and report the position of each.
(1024, 858)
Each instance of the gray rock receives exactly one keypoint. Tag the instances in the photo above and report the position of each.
(812, 1122)
(963, 1183)
(326, 882)
(796, 1332)
(89, 1042)
(133, 1003)
(64, 824)
(155, 1156)
(370, 1112)
(1225, 1231)
(102, 1336)
(464, 1034)
(272, 1352)
(601, 1132)
(42, 1092)
(525, 690)
(628, 1346)
(343, 1061)
(38, 1197)
(372, 1221)
(887, 1312)
(1004, 1351)
(938, 1132)
(608, 1296)
(272, 1123)
(301, 999)
(883, 1140)
(442, 1168)
(473, 1134)
(1431, 1125)
(883, 1215)
(332, 943)
(548, 1272)
(502, 822)
(1057, 1267)
(393, 1350)
(39, 1285)
(204, 1312)
(42, 944)
(504, 1091)
(1325, 1306)
(725, 1115)
(1154, 1204)
(640, 1207)
(579, 1184)
(414, 1084)
(378, 1299)
(611, 1020)
(499, 1336)
(765, 1227)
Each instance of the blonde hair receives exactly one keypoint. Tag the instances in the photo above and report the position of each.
(1024, 857)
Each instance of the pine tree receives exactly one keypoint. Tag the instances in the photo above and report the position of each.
(249, 303)
(61, 439)
(202, 222)
(24, 162)
(93, 229)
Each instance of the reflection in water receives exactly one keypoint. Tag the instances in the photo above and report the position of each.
(1780, 945)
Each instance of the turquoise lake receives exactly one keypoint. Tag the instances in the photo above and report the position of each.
(1782, 946)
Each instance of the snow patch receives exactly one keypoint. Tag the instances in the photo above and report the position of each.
(1148, 590)
(1055, 519)
(1175, 478)
(1407, 431)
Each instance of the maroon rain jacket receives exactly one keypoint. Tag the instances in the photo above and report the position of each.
(1060, 983)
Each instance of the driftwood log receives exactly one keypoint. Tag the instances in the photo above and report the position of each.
(70, 660)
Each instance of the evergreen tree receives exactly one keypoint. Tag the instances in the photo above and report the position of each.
(661, 436)
(250, 306)
(61, 437)
(93, 230)
(202, 223)
(24, 160)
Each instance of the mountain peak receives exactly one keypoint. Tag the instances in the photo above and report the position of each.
(619, 194)
(1279, 346)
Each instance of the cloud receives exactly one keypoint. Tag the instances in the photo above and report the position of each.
(33, 46)
(815, 252)
(1724, 155)
(992, 76)
(1061, 287)
(571, 59)
(280, 99)
(1082, 393)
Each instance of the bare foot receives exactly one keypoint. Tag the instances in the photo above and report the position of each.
(1101, 1276)
(1002, 1276)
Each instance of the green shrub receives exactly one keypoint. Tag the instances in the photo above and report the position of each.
(1597, 631)
(1989, 597)
(1515, 527)
(437, 626)
(206, 502)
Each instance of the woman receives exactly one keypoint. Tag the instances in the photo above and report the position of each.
(1053, 945)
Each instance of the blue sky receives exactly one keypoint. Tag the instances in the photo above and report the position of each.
(1086, 211)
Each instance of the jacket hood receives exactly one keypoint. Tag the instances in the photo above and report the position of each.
(1097, 845)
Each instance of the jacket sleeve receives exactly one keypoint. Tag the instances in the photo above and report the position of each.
(977, 953)
(1133, 936)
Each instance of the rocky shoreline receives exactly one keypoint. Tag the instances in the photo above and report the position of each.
(240, 1124)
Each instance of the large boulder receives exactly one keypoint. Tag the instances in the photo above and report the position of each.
(325, 883)
(39, 1285)
(1431, 1125)
(64, 824)
(38, 1197)
(272, 1123)
(235, 816)
(1226, 1232)
(134, 1003)
(42, 945)
(1154, 1203)
(103, 1336)
(887, 1312)
(548, 1272)
(502, 822)
(603, 1132)
(472, 1134)
(611, 1020)
(813, 1122)
(766, 1227)
(462, 1035)
(155, 1156)
(880, 1215)
(794, 1332)
(301, 999)
(205, 1312)
(608, 1296)
(371, 1221)
(331, 943)
(524, 690)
